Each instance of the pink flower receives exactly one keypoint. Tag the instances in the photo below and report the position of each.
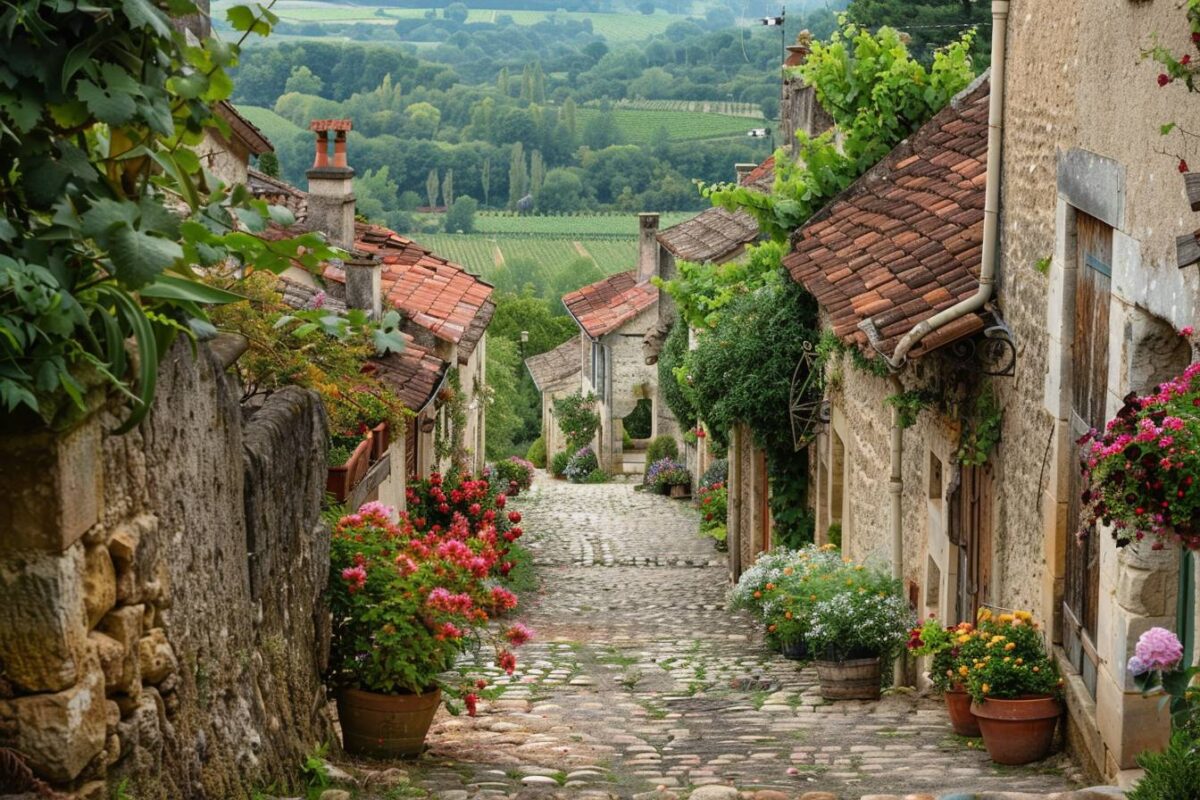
(518, 634)
(1158, 649)
(356, 577)
(503, 599)
(1172, 424)
(374, 508)
(507, 661)
(1166, 441)
(448, 630)
(1186, 330)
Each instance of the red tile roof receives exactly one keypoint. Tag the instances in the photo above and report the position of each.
(330, 125)
(717, 234)
(554, 366)
(606, 305)
(256, 141)
(904, 241)
(415, 374)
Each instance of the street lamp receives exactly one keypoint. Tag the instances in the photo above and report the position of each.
(778, 22)
(524, 341)
(762, 133)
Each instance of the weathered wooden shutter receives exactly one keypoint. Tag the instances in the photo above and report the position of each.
(410, 449)
(1089, 387)
(970, 520)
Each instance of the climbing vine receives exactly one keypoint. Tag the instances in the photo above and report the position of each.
(577, 419)
(447, 438)
(675, 390)
(982, 425)
(1179, 68)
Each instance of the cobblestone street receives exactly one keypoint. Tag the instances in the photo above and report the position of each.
(640, 683)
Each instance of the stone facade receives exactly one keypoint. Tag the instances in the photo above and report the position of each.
(163, 622)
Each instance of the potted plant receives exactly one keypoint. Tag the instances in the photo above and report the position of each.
(855, 629)
(581, 465)
(374, 415)
(1015, 688)
(713, 502)
(950, 650)
(783, 581)
(1141, 469)
(406, 600)
(348, 458)
(1158, 663)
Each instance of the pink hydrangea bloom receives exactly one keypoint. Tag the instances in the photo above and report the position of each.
(1157, 649)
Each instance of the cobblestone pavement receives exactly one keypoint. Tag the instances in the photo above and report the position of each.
(641, 683)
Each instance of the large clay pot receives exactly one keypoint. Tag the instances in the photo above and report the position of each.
(853, 679)
(341, 479)
(385, 725)
(958, 705)
(380, 441)
(1018, 731)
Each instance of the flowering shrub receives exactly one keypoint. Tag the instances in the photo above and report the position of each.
(868, 616)
(713, 502)
(1005, 658)
(664, 473)
(515, 473)
(717, 472)
(577, 418)
(1142, 468)
(770, 569)
(407, 598)
(942, 645)
(581, 465)
(1158, 661)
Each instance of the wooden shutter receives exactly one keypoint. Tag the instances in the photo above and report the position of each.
(410, 449)
(970, 509)
(1089, 388)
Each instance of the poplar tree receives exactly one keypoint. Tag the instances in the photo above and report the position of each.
(537, 173)
(502, 81)
(431, 188)
(448, 188)
(485, 179)
(517, 176)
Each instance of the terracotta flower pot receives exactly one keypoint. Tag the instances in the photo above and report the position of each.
(680, 490)
(1018, 731)
(386, 724)
(341, 479)
(958, 705)
(853, 679)
(380, 441)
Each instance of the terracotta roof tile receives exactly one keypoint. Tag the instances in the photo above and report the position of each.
(415, 373)
(606, 305)
(556, 365)
(716, 234)
(904, 241)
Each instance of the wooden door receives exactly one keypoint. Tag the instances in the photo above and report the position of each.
(1089, 387)
(970, 521)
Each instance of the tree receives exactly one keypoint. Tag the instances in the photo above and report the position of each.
(646, 7)
(505, 420)
(375, 194)
(461, 216)
(562, 193)
(455, 12)
(653, 83)
(268, 164)
(517, 176)
(931, 23)
(303, 80)
(502, 81)
(448, 188)
(568, 118)
(537, 173)
(423, 119)
(485, 179)
(601, 130)
(525, 311)
(539, 83)
(431, 188)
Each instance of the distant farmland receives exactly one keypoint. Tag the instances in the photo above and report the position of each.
(637, 126)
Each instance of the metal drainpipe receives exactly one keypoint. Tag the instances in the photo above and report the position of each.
(991, 206)
(896, 488)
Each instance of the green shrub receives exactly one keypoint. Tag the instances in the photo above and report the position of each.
(661, 447)
(597, 476)
(1173, 774)
(717, 472)
(626, 440)
(834, 535)
(577, 419)
(558, 464)
(582, 465)
(639, 424)
(537, 453)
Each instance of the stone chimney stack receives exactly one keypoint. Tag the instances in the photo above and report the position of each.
(742, 170)
(798, 106)
(363, 285)
(647, 247)
(331, 185)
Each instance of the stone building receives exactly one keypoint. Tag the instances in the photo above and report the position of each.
(1089, 291)
(445, 309)
(556, 374)
(614, 315)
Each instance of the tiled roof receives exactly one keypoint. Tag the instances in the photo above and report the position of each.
(256, 141)
(414, 374)
(716, 234)
(279, 193)
(557, 365)
(904, 241)
(606, 305)
(434, 293)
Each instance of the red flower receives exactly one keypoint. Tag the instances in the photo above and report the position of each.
(1183, 167)
(506, 568)
(1163, 79)
(501, 500)
(514, 517)
(481, 684)
(471, 701)
(1187, 59)
(507, 661)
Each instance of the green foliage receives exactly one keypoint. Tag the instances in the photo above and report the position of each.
(675, 391)
(833, 534)
(661, 447)
(877, 94)
(703, 291)
(638, 424)
(558, 464)
(597, 476)
(981, 428)
(931, 23)
(909, 404)
(794, 522)
(1172, 774)
(537, 453)
(830, 347)
(859, 612)
(508, 407)
(1043, 265)
(313, 769)
(527, 312)
(577, 419)
(105, 205)
(461, 216)
(447, 439)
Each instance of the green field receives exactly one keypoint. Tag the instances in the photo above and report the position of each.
(570, 226)
(638, 127)
(615, 27)
(274, 126)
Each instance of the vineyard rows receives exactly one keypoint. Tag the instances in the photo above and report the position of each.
(639, 127)
(577, 226)
(477, 252)
(723, 107)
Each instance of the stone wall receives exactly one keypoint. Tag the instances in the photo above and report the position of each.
(160, 615)
(630, 379)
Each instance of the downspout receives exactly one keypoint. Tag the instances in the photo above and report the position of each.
(991, 206)
(896, 489)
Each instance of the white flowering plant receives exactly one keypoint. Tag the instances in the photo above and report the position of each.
(867, 617)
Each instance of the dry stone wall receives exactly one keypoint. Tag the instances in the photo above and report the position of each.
(160, 618)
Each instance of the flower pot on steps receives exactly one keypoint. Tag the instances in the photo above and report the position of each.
(681, 491)
(852, 679)
(958, 706)
(386, 725)
(1018, 731)
(341, 479)
(380, 441)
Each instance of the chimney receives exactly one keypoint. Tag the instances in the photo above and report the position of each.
(798, 106)
(363, 290)
(647, 247)
(331, 185)
(742, 171)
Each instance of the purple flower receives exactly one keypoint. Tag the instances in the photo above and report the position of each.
(1157, 649)
(1136, 666)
